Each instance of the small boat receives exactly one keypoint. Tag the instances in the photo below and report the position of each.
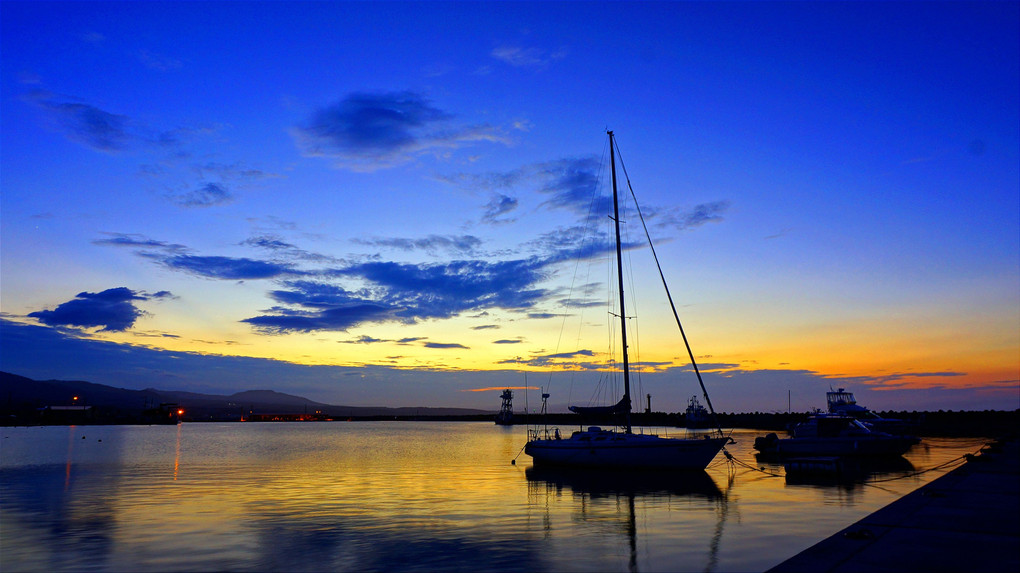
(842, 403)
(597, 447)
(835, 435)
(697, 416)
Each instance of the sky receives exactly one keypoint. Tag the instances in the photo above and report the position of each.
(386, 203)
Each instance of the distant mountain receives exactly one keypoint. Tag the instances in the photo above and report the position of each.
(21, 396)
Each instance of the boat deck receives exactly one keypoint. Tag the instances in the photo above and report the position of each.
(966, 520)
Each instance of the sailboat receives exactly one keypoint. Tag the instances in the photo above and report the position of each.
(597, 447)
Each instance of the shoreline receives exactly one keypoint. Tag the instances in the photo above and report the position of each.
(994, 423)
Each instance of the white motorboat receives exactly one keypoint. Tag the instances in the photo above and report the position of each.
(835, 435)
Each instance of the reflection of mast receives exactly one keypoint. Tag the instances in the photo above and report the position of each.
(632, 533)
(723, 507)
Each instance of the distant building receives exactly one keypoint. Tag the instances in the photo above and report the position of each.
(316, 417)
(65, 415)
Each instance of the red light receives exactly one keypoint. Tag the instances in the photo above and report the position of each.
(179, 412)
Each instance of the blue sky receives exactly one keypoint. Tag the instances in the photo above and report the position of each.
(380, 203)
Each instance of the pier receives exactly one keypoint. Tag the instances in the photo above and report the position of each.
(966, 520)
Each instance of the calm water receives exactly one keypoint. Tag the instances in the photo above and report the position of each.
(397, 496)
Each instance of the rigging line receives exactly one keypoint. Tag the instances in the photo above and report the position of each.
(669, 296)
(579, 255)
(870, 482)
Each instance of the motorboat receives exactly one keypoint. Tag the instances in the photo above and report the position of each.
(842, 403)
(835, 435)
(696, 417)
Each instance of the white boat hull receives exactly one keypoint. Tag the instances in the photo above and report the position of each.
(616, 449)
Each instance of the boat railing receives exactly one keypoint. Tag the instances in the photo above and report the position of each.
(544, 434)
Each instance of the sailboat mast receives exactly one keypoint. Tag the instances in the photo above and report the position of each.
(619, 275)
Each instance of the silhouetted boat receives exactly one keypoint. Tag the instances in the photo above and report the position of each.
(595, 446)
(696, 416)
(842, 403)
(834, 435)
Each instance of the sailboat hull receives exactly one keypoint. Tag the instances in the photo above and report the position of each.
(601, 448)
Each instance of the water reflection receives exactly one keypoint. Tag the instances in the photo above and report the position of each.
(395, 496)
(609, 483)
(848, 473)
(626, 491)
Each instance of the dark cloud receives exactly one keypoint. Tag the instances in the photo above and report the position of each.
(445, 289)
(44, 353)
(521, 57)
(567, 360)
(404, 292)
(365, 339)
(311, 294)
(431, 244)
(111, 310)
(89, 125)
(543, 315)
(335, 318)
(485, 327)
(505, 341)
(96, 128)
(270, 242)
(695, 217)
(136, 241)
(208, 195)
(571, 184)
(224, 267)
(285, 250)
(498, 208)
(444, 345)
(373, 130)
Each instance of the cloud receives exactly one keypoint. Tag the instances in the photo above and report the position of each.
(99, 129)
(570, 183)
(695, 217)
(230, 268)
(505, 341)
(43, 353)
(442, 290)
(520, 57)
(207, 195)
(89, 125)
(376, 130)
(561, 359)
(405, 293)
(270, 242)
(444, 345)
(430, 244)
(336, 318)
(136, 241)
(280, 248)
(499, 206)
(111, 310)
(365, 339)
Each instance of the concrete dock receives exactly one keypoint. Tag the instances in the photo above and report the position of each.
(967, 520)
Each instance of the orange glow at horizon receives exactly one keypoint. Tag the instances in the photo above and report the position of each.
(498, 388)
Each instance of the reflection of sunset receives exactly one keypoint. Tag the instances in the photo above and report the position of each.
(371, 495)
